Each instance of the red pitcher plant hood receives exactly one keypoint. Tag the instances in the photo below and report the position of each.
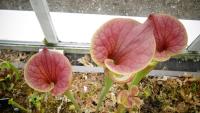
(123, 46)
(48, 71)
(170, 36)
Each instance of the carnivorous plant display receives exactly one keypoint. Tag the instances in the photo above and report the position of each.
(129, 50)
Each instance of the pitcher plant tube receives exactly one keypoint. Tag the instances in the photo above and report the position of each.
(50, 71)
(123, 47)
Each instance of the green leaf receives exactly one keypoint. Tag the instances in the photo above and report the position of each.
(35, 100)
(15, 104)
(5, 64)
(147, 91)
(9, 66)
(194, 87)
(11, 87)
(8, 77)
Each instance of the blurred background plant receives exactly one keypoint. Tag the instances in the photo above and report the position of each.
(35, 100)
(8, 75)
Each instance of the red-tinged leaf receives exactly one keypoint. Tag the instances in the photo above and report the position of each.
(48, 71)
(123, 46)
(128, 99)
(124, 99)
(134, 91)
(137, 102)
(170, 36)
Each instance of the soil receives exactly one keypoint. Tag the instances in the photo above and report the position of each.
(160, 94)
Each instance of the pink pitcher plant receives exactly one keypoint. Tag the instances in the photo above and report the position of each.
(129, 50)
(50, 71)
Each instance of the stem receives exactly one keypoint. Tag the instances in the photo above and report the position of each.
(42, 110)
(121, 109)
(71, 97)
(15, 104)
(107, 85)
(141, 74)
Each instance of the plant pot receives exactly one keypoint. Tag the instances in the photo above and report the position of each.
(4, 106)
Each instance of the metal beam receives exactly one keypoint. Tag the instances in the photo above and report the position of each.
(42, 12)
(195, 45)
(87, 69)
(78, 48)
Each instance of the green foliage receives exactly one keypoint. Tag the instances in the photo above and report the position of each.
(195, 57)
(147, 91)
(15, 104)
(72, 107)
(8, 75)
(35, 100)
(195, 87)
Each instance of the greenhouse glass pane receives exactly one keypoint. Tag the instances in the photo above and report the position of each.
(74, 27)
(20, 26)
(70, 27)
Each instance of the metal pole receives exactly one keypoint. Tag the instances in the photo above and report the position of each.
(195, 45)
(42, 12)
